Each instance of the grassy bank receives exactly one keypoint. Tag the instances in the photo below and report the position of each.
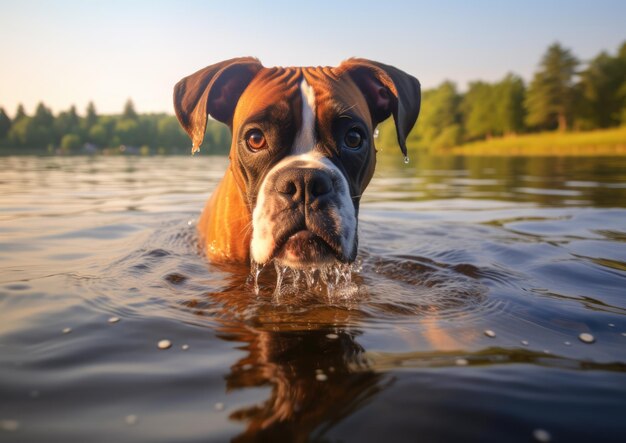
(598, 142)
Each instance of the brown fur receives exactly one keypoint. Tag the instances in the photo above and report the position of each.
(234, 90)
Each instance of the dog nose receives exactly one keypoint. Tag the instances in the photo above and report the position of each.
(305, 184)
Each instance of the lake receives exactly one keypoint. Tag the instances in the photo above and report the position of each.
(489, 304)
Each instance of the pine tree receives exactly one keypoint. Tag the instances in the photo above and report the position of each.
(92, 117)
(20, 113)
(509, 104)
(5, 124)
(129, 110)
(551, 94)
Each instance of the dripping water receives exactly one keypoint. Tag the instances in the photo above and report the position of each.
(255, 271)
(333, 280)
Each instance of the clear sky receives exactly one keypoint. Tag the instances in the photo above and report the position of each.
(70, 52)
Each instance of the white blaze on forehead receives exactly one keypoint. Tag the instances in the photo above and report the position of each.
(305, 138)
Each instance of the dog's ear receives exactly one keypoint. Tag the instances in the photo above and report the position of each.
(388, 91)
(213, 90)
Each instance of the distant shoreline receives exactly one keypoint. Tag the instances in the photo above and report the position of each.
(585, 143)
(601, 142)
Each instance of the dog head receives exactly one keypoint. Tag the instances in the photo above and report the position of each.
(302, 148)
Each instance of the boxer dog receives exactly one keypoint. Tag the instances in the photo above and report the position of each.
(302, 154)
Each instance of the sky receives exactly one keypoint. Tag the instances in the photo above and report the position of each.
(70, 52)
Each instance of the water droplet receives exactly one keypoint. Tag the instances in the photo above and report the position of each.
(164, 344)
(611, 325)
(255, 271)
(295, 277)
(489, 333)
(586, 338)
(131, 419)
(332, 336)
(309, 277)
(406, 159)
(567, 343)
(67, 330)
(280, 276)
(542, 435)
(219, 406)
(184, 347)
(114, 319)
(321, 377)
(525, 342)
(461, 362)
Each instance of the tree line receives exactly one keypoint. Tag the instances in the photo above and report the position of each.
(564, 94)
(129, 132)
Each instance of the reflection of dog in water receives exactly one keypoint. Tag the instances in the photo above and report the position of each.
(314, 380)
(302, 154)
(308, 354)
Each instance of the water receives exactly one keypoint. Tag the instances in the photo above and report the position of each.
(532, 249)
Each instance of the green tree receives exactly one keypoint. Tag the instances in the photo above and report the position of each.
(43, 116)
(98, 135)
(28, 134)
(600, 83)
(92, 116)
(34, 132)
(218, 138)
(169, 133)
(19, 113)
(509, 104)
(478, 107)
(70, 143)
(67, 122)
(129, 111)
(439, 125)
(551, 94)
(127, 132)
(621, 92)
(5, 124)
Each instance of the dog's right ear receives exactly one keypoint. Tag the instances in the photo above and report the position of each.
(213, 90)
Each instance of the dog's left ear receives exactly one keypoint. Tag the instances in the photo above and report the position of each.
(388, 91)
(213, 90)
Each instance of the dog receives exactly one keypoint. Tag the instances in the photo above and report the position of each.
(302, 154)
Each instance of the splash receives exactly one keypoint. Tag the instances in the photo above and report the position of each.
(333, 280)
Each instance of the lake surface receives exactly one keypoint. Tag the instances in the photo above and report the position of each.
(476, 277)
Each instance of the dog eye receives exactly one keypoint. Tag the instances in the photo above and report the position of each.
(354, 138)
(255, 139)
